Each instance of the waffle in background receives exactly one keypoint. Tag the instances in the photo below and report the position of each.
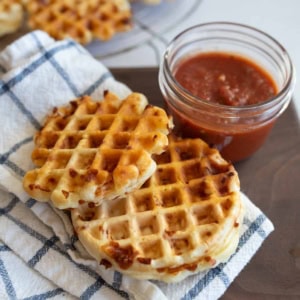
(11, 16)
(82, 20)
(96, 151)
(186, 218)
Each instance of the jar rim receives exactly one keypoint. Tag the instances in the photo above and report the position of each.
(290, 82)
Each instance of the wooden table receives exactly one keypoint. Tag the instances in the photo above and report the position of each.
(271, 178)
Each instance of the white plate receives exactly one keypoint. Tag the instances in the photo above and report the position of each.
(149, 21)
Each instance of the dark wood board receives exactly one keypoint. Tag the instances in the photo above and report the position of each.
(271, 179)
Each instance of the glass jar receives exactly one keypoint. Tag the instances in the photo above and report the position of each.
(237, 131)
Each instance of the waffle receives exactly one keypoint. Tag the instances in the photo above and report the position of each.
(184, 219)
(11, 16)
(96, 150)
(82, 20)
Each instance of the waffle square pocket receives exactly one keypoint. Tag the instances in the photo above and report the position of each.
(96, 150)
(184, 219)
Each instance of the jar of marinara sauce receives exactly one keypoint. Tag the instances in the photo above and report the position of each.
(226, 83)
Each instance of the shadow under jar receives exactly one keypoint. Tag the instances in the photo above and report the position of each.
(209, 102)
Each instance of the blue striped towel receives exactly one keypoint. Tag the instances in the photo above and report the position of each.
(40, 256)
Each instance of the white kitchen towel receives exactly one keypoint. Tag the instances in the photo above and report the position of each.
(36, 74)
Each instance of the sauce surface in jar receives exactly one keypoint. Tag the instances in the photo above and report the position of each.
(225, 79)
(230, 80)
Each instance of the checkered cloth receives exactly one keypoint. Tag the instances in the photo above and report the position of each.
(40, 255)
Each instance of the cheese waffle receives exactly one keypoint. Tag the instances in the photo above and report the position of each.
(184, 219)
(96, 150)
(11, 16)
(81, 20)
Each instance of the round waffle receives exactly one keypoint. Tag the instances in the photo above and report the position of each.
(184, 219)
(82, 20)
(96, 150)
(11, 16)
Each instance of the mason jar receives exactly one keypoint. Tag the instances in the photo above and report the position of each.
(240, 130)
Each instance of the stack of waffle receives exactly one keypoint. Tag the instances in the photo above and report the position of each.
(81, 20)
(142, 201)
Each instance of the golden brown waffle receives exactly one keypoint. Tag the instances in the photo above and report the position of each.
(82, 20)
(96, 150)
(184, 219)
(11, 16)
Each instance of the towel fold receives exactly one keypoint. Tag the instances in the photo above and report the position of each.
(40, 253)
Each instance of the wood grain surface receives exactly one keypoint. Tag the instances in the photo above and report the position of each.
(271, 179)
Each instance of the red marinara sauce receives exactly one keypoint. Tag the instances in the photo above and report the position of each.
(229, 80)
(225, 79)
